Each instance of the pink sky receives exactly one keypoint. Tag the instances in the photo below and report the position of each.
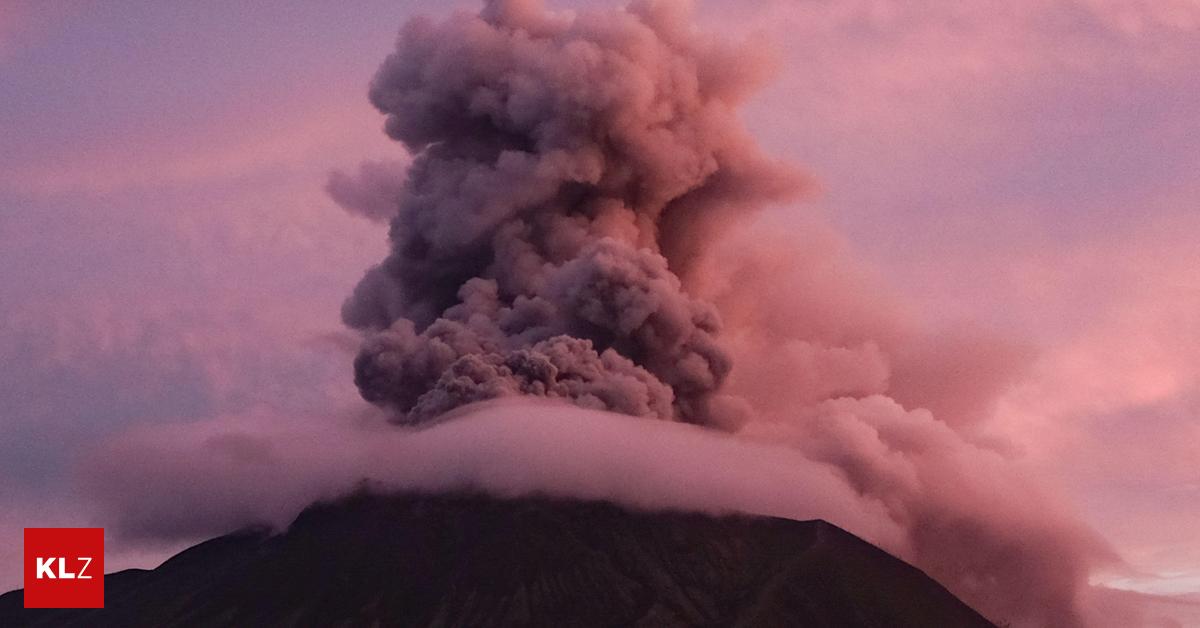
(1027, 168)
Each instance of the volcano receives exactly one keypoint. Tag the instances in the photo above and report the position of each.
(373, 559)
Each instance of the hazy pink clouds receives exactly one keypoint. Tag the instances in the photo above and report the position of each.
(1028, 167)
(1115, 400)
(255, 140)
(1025, 168)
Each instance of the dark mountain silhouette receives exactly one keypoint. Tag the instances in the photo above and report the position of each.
(472, 560)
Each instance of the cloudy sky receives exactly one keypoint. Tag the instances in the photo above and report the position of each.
(168, 253)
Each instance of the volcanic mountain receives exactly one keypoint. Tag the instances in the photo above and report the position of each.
(470, 560)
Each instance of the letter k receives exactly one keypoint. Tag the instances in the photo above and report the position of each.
(43, 568)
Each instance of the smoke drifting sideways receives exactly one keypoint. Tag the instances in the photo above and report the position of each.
(184, 481)
(565, 169)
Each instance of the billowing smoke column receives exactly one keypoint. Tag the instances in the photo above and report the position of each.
(565, 168)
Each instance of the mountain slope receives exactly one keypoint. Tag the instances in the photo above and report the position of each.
(471, 560)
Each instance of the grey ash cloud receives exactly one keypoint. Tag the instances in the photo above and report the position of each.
(566, 171)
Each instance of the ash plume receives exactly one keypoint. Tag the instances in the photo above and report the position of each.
(565, 170)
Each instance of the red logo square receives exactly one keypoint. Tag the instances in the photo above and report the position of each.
(64, 567)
